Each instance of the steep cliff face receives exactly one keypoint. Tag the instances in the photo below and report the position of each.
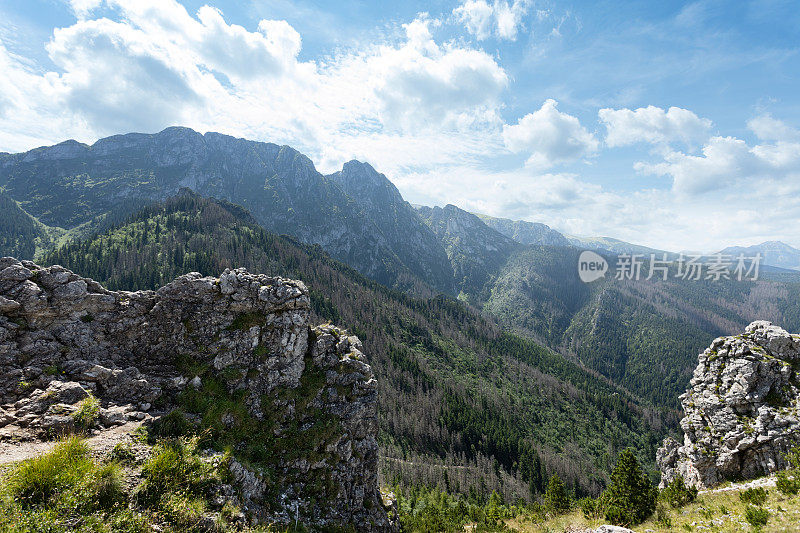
(302, 400)
(409, 237)
(742, 410)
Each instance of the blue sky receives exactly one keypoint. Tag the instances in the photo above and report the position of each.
(671, 124)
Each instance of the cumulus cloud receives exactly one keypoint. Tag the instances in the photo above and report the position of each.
(149, 64)
(725, 163)
(550, 137)
(499, 19)
(768, 128)
(653, 125)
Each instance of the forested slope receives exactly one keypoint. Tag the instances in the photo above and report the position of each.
(462, 404)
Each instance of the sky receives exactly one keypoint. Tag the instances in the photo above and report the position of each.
(674, 125)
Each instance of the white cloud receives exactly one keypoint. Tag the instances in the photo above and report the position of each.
(728, 163)
(653, 125)
(767, 128)
(152, 64)
(82, 8)
(499, 19)
(550, 136)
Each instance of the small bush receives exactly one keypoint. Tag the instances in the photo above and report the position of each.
(677, 494)
(787, 485)
(755, 495)
(36, 481)
(88, 412)
(590, 508)
(662, 516)
(756, 516)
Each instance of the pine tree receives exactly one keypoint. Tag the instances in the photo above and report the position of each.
(556, 498)
(630, 498)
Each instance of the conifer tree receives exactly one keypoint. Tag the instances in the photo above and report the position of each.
(630, 498)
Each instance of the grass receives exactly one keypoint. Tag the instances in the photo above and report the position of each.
(66, 490)
(37, 481)
(717, 512)
(88, 412)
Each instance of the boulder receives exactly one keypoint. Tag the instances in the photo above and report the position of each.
(741, 411)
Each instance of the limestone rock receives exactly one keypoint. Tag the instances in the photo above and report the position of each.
(63, 337)
(742, 410)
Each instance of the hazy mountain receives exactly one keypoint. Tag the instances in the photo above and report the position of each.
(616, 246)
(526, 232)
(773, 253)
(475, 250)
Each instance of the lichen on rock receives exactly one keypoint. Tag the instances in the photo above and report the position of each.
(233, 357)
(741, 411)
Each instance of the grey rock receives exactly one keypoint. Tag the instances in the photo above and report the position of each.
(252, 329)
(741, 412)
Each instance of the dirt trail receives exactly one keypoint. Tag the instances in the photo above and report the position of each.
(765, 482)
(101, 444)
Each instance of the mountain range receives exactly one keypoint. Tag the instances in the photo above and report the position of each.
(100, 210)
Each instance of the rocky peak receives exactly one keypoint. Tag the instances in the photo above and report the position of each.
(525, 232)
(741, 412)
(64, 337)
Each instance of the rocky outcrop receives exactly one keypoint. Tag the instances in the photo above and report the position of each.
(64, 339)
(741, 410)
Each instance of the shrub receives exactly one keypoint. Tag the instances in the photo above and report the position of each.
(755, 495)
(87, 413)
(590, 508)
(662, 516)
(556, 499)
(36, 481)
(787, 485)
(677, 494)
(756, 516)
(630, 497)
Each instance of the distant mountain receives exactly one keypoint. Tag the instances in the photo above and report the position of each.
(773, 253)
(642, 335)
(616, 246)
(475, 250)
(71, 184)
(526, 232)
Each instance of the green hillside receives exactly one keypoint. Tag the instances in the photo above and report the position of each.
(462, 404)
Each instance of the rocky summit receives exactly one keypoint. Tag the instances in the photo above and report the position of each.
(741, 410)
(243, 338)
